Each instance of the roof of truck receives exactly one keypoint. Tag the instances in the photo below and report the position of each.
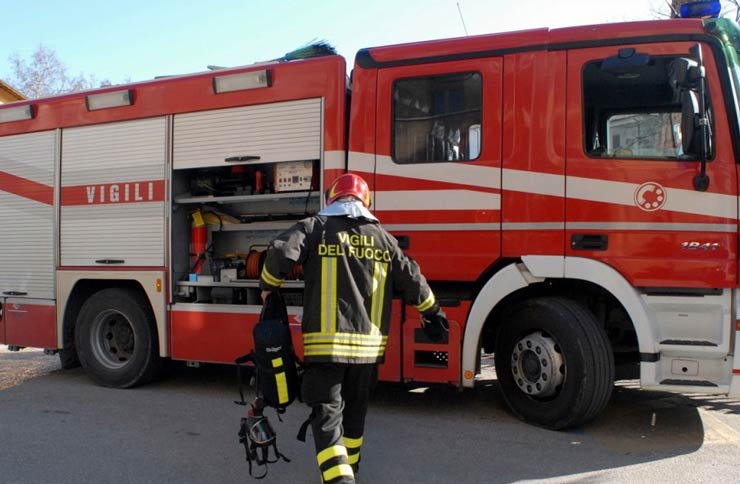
(525, 40)
(321, 77)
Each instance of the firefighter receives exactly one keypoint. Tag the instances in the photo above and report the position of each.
(351, 267)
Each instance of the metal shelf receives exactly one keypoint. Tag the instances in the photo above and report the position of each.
(238, 283)
(267, 225)
(246, 198)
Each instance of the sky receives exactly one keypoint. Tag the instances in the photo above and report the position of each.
(138, 40)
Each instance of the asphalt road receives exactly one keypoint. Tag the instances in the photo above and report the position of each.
(58, 427)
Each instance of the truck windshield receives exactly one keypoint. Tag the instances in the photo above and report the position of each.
(729, 33)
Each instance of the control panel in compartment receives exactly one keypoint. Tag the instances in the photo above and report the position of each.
(223, 219)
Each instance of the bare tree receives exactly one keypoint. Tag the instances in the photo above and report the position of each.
(44, 74)
(732, 10)
(675, 6)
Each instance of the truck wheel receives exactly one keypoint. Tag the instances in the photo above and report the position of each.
(68, 358)
(116, 339)
(554, 363)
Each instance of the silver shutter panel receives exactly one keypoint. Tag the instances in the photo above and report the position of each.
(284, 131)
(26, 224)
(125, 159)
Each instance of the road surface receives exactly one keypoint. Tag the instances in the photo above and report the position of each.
(58, 427)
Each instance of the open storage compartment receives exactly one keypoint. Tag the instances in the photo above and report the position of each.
(241, 176)
(219, 241)
(222, 223)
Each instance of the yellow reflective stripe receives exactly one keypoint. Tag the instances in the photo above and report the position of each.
(348, 351)
(329, 452)
(337, 347)
(427, 304)
(280, 381)
(344, 344)
(329, 294)
(353, 458)
(324, 302)
(269, 278)
(336, 471)
(351, 443)
(282, 387)
(380, 274)
(344, 338)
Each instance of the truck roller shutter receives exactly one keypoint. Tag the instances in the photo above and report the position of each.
(113, 209)
(284, 131)
(27, 215)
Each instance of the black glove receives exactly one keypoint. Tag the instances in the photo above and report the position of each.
(435, 327)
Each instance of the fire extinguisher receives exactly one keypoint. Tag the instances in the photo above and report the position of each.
(198, 242)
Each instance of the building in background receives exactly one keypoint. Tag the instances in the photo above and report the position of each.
(8, 94)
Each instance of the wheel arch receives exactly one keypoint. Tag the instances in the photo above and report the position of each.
(76, 290)
(527, 278)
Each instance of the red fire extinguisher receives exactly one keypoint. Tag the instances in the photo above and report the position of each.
(198, 242)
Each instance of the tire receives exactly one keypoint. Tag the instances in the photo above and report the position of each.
(68, 359)
(116, 339)
(554, 363)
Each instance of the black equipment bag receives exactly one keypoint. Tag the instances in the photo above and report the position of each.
(274, 359)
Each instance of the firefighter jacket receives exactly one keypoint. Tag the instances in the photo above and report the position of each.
(351, 267)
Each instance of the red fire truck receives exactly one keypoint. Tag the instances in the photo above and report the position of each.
(571, 194)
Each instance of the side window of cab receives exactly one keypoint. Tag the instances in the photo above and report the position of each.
(643, 107)
(437, 118)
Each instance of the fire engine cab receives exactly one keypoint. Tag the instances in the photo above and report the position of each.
(571, 194)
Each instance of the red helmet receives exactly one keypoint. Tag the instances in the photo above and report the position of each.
(349, 185)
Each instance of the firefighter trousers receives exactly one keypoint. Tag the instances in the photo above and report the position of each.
(338, 395)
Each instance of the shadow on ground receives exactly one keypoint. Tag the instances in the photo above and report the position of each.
(439, 432)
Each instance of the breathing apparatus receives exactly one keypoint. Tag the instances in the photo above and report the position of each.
(258, 436)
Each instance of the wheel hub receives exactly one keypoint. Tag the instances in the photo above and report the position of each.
(538, 365)
(112, 339)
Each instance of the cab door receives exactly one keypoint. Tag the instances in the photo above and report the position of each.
(632, 201)
(437, 174)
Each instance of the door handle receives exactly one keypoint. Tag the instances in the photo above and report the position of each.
(233, 159)
(589, 242)
(110, 261)
(14, 293)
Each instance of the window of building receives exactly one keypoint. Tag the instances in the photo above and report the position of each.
(437, 118)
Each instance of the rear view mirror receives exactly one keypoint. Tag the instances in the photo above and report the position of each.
(696, 136)
(689, 116)
(683, 73)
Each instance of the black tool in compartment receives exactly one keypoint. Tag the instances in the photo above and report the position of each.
(229, 295)
(226, 181)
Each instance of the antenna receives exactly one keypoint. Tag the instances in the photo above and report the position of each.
(462, 19)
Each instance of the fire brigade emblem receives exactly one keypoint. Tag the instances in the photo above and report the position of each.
(650, 196)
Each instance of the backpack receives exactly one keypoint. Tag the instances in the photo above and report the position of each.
(276, 374)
